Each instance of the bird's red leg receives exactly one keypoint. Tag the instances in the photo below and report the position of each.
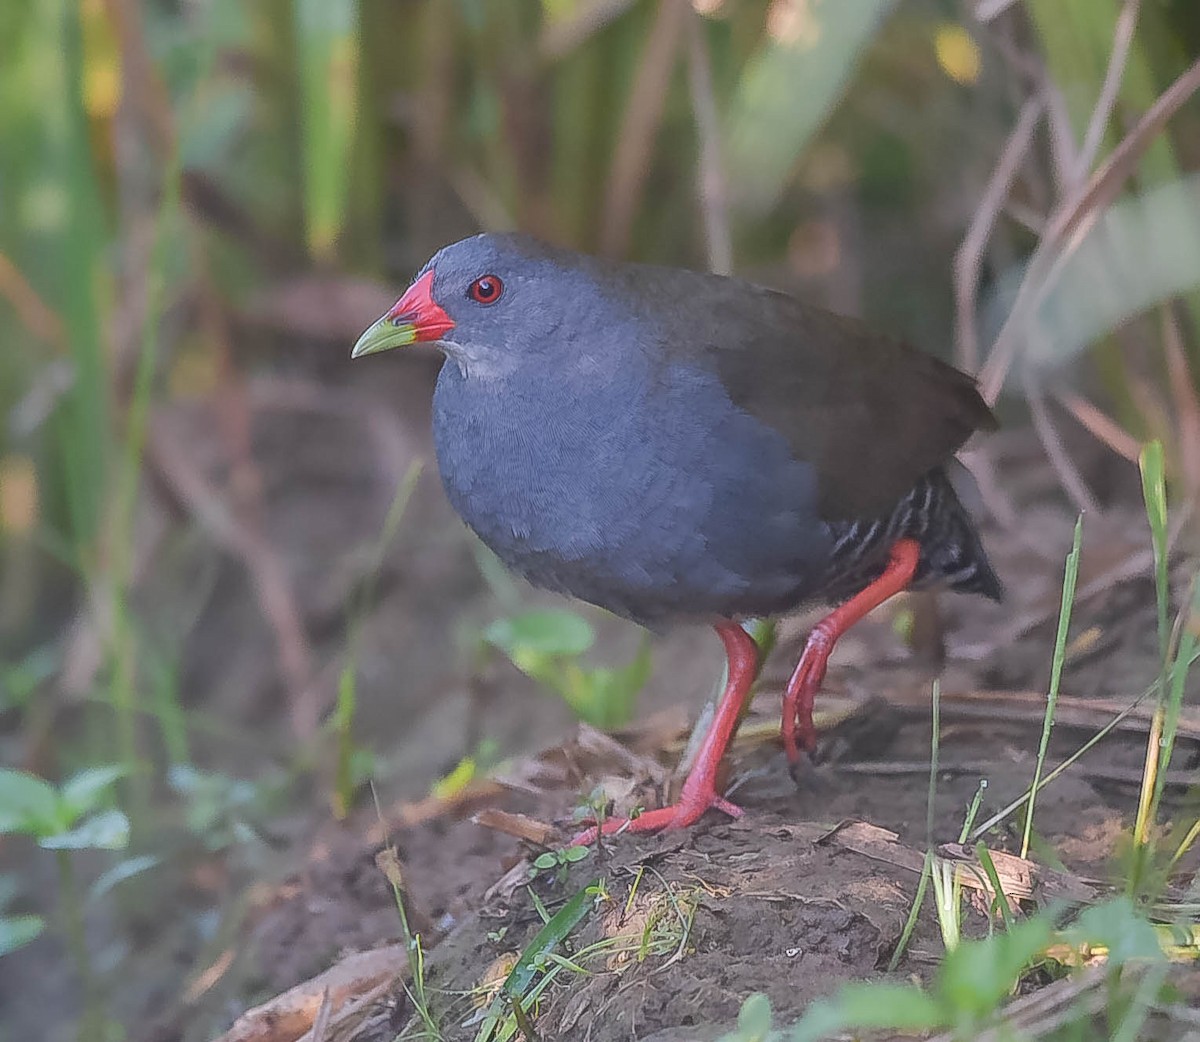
(797, 727)
(700, 787)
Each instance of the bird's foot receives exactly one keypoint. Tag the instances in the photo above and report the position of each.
(700, 787)
(687, 811)
(799, 732)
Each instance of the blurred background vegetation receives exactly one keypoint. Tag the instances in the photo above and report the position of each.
(203, 201)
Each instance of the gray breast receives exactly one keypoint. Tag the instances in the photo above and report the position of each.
(650, 495)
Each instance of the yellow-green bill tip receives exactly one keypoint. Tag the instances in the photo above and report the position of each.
(383, 336)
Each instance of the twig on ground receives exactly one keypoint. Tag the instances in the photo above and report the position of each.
(1021, 879)
(1039, 1013)
(520, 825)
(290, 1016)
(321, 1024)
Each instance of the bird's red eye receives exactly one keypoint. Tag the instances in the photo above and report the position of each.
(486, 289)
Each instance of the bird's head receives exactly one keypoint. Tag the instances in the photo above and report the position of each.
(494, 302)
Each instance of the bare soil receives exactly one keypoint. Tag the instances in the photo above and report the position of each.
(774, 902)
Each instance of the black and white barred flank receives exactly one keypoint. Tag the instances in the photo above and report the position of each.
(931, 514)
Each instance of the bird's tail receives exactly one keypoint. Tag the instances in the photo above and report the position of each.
(951, 550)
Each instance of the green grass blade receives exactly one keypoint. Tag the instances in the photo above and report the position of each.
(1180, 668)
(548, 938)
(1152, 465)
(911, 922)
(346, 706)
(1098, 737)
(1000, 900)
(1070, 574)
(934, 746)
(787, 91)
(972, 811)
(328, 55)
(84, 419)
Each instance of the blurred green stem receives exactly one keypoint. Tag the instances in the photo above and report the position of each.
(83, 421)
(91, 1027)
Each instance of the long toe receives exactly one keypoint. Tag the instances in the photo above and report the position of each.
(799, 732)
(679, 815)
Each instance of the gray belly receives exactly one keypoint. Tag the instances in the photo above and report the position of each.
(679, 506)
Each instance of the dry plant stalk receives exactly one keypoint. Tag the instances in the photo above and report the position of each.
(1083, 198)
(640, 125)
(288, 1017)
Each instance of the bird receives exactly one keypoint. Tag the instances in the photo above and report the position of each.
(678, 446)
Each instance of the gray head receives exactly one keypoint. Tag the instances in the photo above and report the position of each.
(495, 302)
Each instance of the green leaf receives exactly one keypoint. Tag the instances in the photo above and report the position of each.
(533, 960)
(461, 775)
(120, 872)
(108, 830)
(1115, 925)
(786, 92)
(16, 931)
(900, 1007)
(551, 632)
(82, 793)
(977, 976)
(10, 888)
(754, 1020)
(1159, 226)
(27, 804)
(20, 681)
(547, 939)
(613, 692)
(327, 57)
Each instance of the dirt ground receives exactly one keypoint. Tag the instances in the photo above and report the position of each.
(792, 900)
(773, 902)
(800, 895)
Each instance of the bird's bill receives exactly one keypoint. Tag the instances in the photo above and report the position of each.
(414, 318)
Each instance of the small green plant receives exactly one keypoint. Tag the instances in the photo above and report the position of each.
(977, 977)
(354, 766)
(547, 646)
(388, 862)
(1177, 648)
(534, 970)
(16, 930)
(561, 860)
(468, 769)
(19, 681)
(754, 1022)
(65, 820)
(216, 807)
(1066, 604)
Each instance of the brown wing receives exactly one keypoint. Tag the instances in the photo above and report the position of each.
(871, 413)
